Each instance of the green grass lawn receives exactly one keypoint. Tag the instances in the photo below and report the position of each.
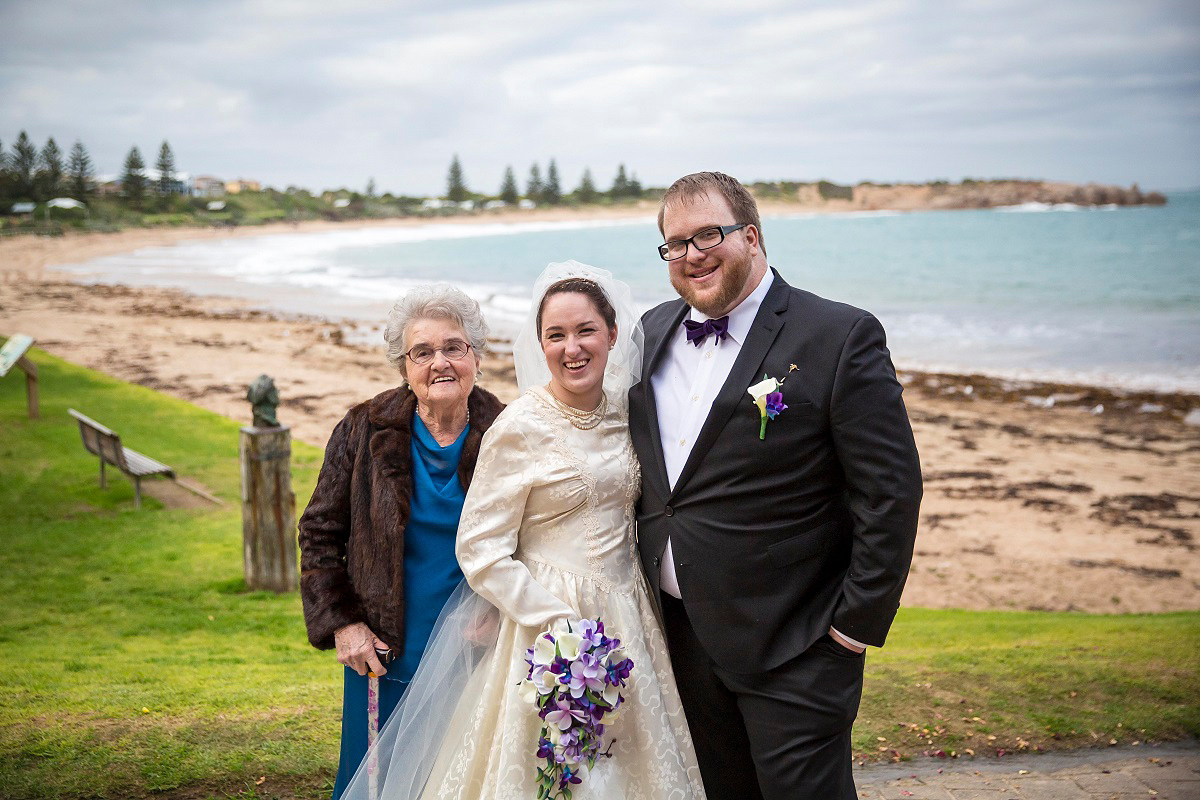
(133, 663)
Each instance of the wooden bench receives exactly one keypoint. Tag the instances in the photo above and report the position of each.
(105, 444)
(13, 354)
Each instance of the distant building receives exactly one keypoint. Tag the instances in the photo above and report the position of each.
(242, 185)
(491, 205)
(434, 203)
(180, 183)
(107, 185)
(526, 203)
(341, 202)
(207, 186)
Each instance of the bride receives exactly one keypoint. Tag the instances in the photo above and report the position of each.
(546, 536)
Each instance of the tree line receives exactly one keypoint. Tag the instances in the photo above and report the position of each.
(544, 190)
(30, 174)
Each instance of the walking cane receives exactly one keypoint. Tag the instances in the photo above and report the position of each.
(372, 734)
(385, 657)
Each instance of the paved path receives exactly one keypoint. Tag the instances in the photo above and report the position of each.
(1166, 772)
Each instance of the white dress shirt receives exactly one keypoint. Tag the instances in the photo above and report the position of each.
(686, 385)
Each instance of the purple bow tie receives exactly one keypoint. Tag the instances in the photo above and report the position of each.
(697, 331)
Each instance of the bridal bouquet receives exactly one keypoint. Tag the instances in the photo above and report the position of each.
(574, 682)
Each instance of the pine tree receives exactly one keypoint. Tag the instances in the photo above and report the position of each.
(166, 169)
(24, 166)
(533, 187)
(635, 187)
(49, 170)
(133, 179)
(620, 186)
(370, 187)
(456, 184)
(586, 193)
(552, 191)
(6, 180)
(79, 168)
(508, 189)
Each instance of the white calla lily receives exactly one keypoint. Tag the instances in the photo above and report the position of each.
(543, 651)
(760, 390)
(568, 645)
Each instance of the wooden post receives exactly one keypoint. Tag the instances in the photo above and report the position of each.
(31, 386)
(268, 509)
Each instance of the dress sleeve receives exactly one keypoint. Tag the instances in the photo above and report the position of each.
(490, 526)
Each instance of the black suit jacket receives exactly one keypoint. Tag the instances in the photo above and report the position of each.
(777, 539)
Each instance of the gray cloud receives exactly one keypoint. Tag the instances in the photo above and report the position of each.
(302, 93)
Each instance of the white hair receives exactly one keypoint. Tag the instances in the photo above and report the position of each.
(440, 301)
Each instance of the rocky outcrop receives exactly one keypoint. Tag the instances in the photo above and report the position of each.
(967, 194)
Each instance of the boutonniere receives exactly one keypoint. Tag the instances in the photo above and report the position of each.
(769, 399)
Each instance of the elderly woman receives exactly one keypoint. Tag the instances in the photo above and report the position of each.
(377, 539)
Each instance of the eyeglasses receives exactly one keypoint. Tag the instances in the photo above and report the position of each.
(706, 239)
(454, 350)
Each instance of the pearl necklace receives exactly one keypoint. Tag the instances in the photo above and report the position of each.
(583, 420)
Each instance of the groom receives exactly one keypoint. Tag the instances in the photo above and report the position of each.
(779, 537)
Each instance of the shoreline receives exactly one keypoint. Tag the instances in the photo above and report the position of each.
(1032, 500)
(23, 254)
(59, 258)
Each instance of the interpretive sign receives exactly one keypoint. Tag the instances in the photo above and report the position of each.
(13, 353)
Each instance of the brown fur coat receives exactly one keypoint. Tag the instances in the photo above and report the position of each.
(352, 533)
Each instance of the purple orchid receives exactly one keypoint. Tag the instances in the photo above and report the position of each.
(587, 673)
(545, 748)
(775, 404)
(565, 716)
(618, 673)
(592, 632)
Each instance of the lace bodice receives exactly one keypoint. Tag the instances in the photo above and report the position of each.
(570, 484)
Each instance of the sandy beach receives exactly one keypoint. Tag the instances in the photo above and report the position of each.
(1035, 496)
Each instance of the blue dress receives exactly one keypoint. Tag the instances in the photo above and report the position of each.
(430, 574)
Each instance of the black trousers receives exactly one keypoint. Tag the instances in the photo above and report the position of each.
(777, 735)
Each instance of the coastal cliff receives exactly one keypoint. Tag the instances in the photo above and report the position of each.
(942, 195)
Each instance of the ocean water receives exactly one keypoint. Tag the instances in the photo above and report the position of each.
(1106, 296)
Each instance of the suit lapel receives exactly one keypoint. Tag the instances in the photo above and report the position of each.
(744, 373)
(656, 347)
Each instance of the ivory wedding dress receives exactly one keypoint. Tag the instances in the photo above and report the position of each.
(547, 533)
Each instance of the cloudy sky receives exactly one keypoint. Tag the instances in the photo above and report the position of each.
(322, 94)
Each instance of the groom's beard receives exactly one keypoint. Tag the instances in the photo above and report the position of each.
(715, 301)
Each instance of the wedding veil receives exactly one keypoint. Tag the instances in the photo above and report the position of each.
(399, 764)
(624, 361)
